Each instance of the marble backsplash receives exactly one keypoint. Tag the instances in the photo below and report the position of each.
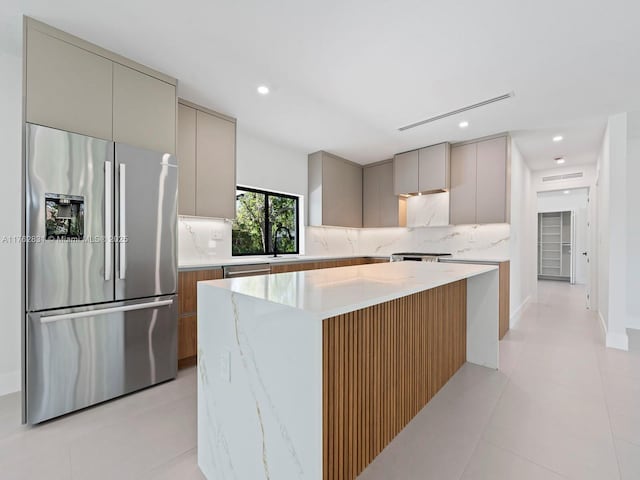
(202, 240)
(428, 210)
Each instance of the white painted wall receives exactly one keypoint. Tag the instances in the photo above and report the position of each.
(10, 198)
(612, 231)
(633, 220)
(575, 200)
(523, 284)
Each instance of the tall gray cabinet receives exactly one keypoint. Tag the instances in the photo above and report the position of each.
(73, 85)
(480, 182)
(207, 154)
(335, 191)
(381, 207)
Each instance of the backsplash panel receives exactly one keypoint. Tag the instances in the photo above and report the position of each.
(428, 210)
(202, 240)
(465, 241)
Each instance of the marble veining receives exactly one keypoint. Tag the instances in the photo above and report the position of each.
(428, 210)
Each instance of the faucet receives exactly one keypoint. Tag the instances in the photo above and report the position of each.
(275, 238)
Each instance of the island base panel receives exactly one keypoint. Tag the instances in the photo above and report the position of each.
(381, 365)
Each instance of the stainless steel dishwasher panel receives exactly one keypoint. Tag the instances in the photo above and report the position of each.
(234, 271)
(78, 357)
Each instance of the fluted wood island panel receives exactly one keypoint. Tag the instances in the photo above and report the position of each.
(381, 365)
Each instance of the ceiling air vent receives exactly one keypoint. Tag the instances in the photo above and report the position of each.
(566, 176)
(459, 110)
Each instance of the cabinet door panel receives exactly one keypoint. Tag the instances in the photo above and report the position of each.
(216, 166)
(405, 173)
(186, 160)
(491, 181)
(342, 193)
(144, 110)
(67, 87)
(463, 185)
(433, 168)
(371, 197)
(389, 201)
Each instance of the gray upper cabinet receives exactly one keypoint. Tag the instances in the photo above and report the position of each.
(187, 160)
(79, 87)
(67, 87)
(423, 170)
(405, 173)
(216, 166)
(144, 110)
(462, 196)
(480, 182)
(492, 181)
(434, 168)
(335, 191)
(380, 206)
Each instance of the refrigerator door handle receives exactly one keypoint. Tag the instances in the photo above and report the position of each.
(108, 200)
(122, 237)
(104, 311)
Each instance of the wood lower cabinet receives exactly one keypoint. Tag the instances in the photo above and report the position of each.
(504, 302)
(187, 312)
(381, 365)
(345, 262)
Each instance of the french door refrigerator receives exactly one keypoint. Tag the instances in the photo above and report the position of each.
(101, 271)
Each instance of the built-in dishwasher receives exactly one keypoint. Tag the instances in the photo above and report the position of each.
(232, 271)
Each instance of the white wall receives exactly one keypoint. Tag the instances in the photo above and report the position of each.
(612, 231)
(10, 198)
(633, 220)
(523, 235)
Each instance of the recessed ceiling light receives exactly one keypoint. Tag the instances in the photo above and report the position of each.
(559, 160)
(558, 138)
(567, 192)
(463, 124)
(263, 90)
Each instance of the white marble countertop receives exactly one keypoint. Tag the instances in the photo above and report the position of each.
(334, 291)
(264, 259)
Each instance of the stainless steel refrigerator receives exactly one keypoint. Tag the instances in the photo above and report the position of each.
(101, 271)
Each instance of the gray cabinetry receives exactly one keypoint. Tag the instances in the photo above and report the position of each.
(187, 157)
(76, 86)
(67, 87)
(423, 170)
(335, 191)
(462, 198)
(434, 168)
(491, 206)
(405, 173)
(207, 159)
(380, 206)
(144, 110)
(480, 182)
(215, 166)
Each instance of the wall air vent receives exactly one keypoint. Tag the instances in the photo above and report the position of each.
(566, 176)
(459, 110)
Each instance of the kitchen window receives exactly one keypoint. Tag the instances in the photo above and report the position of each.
(265, 222)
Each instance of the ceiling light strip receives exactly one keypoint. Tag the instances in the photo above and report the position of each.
(459, 110)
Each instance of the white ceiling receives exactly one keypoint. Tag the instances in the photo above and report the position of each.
(345, 74)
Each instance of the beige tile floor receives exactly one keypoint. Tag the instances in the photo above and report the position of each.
(561, 407)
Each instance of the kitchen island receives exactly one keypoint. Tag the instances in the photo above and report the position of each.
(311, 374)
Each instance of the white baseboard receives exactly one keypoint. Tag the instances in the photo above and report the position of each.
(517, 314)
(614, 339)
(618, 340)
(10, 383)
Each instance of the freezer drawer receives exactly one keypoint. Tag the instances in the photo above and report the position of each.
(82, 356)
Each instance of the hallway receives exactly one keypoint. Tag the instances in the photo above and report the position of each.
(561, 406)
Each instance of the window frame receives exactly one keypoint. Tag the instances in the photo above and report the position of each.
(267, 223)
